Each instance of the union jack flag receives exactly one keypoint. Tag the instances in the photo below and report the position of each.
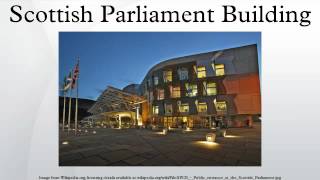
(75, 75)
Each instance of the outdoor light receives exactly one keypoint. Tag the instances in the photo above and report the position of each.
(86, 131)
(169, 128)
(65, 142)
(164, 131)
(94, 132)
(210, 137)
(232, 136)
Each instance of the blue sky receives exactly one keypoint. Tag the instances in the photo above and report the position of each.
(121, 58)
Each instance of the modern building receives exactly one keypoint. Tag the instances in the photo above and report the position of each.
(196, 91)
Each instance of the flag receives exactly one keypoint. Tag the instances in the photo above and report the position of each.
(67, 82)
(75, 75)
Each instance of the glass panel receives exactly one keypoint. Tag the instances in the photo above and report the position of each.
(175, 92)
(160, 94)
(211, 89)
(184, 107)
(219, 69)
(184, 119)
(183, 73)
(167, 76)
(155, 80)
(168, 108)
(202, 107)
(192, 90)
(168, 122)
(221, 106)
(201, 72)
(155, 109)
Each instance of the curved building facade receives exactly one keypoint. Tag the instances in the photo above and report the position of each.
(203, 89)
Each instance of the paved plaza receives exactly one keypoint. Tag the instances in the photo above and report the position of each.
(143, 147)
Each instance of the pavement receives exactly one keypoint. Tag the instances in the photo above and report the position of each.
(143, 147)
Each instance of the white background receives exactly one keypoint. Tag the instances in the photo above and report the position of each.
(29, 84)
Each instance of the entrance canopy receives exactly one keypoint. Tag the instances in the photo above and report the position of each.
(116, 100)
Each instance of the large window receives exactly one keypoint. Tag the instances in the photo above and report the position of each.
(155, 110)
(221, 106)
(175, 92)
(201, 72)
(160, 94)
(219, 69)
(211, 88)
(183, 73)
(184, 107)
(167, 76)
(202, 107)
(155, 80)
(168, 108)
(192, 90)
(168, 122)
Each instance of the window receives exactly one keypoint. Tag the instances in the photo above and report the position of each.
(202, 107)
(155, 80)
(175, 92)
(160, 94)
(184, 107)
(211, 89)
(183, 73)
(168, 122)
(191, 89)
(167, 76)
(201, 71)
(221, 106)
(155, 110)
(184, 119)
(168, 108)
(219, 69)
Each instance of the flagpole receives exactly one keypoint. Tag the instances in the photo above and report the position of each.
(76, 111)
(64, 110)
(69, 117)
(77, 91)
